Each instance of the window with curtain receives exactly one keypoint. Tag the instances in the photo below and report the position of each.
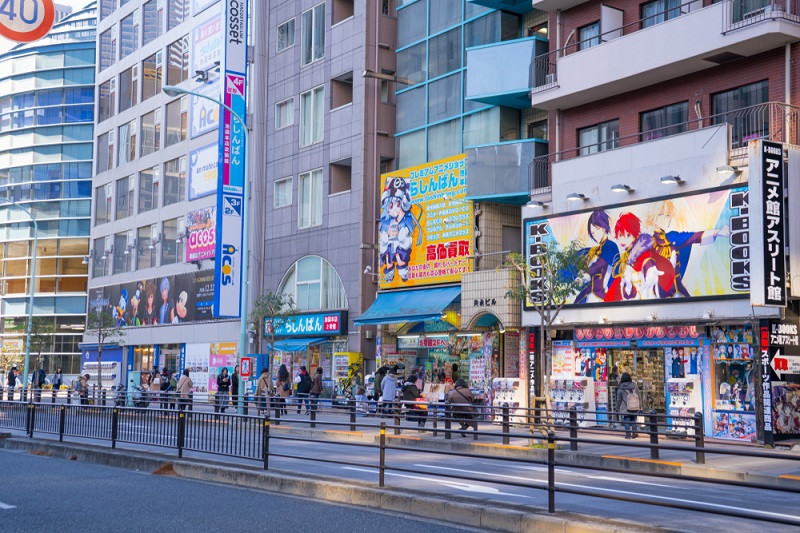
(599, 138)
(284, 113)
(658, 11)
(731, 107)
(314, 285)
(148, 189)
(589, 35)
(664, 121)
(127, 143)
(285, 35)
(313, 34)
(309, 191)
(311, 116)
(283, 192)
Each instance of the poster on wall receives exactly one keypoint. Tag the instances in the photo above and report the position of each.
(197, 364)
(202, 235)
(563, 359)
(426, 224)
(157, 301)
(203, 164)
(690, 246)
(220, 355)
(203, 113)
(780, 377)
(207, 44)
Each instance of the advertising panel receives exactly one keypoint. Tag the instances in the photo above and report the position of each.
(157, 301)
(202, 238)
(426, 225)
(690, 246)
(203, 113)
(310, 325)
(207, 44)
(203, 171)
(780, 377)
(231, 211)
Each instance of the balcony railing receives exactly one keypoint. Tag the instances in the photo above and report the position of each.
(772, 121)
(736, 14)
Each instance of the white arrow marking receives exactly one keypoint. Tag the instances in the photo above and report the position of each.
(785, 364)
(7, 506)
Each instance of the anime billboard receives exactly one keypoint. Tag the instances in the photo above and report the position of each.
(670, 249)
(426, 225)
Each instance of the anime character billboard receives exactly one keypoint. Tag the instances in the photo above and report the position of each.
(681, 247)
(426, 225)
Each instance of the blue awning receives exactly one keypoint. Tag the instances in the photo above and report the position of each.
(409, 306)
(295, 345)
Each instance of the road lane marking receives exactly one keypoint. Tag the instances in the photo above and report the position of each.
(467, 487)
(642, 460)
(7, 506)
(789, 476)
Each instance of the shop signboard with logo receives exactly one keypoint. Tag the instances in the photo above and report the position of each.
(779, 367)
(308, 325)
(207, 44)
(202, 234)
(203, 113)
(203, 171)
(668, 250)
(426, 225)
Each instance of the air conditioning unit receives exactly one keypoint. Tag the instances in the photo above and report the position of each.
(550, 79)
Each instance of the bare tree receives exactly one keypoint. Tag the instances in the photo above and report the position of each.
(269, 309)
(102, 326)
(42, 331)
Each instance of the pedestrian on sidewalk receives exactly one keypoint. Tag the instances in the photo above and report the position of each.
(316, 388)
(83, 388)
(223, 391)
(303, 389)
(11, 382)
(38, 379)
(460, 400)
(389, 390)
(58, 379)
(413, 402)
(376, 388)
(185, 388)
(172, 390)
(628, 404)
(283, 388)
(262, 391)
(164, 388)
(155, 385)
(235, 386)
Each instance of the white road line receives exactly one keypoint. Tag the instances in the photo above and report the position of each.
(590, 476)
(7, 506)
(467, 487)
(515, 478)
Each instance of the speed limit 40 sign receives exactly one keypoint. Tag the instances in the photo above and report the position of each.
(26, 20)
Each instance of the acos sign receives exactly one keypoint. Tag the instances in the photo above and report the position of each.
(26, 20)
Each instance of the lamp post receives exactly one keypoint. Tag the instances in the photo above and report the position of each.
(11, 203)
(171, 90)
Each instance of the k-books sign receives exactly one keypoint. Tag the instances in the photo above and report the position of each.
(228, 275)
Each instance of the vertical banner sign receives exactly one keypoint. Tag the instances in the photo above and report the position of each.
(766, 384)
(767, 234)
(228, 275)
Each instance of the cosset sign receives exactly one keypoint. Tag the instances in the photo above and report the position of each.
(26, 20)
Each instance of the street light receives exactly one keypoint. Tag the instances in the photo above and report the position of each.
(11, 203)
(171, 90)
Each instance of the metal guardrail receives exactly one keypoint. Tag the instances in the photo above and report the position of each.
(249, 437)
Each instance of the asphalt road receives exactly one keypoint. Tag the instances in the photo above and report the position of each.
(46, 494)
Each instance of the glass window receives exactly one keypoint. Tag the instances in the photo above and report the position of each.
(105, 152)
(444, 14)
(309, 191)
(314, 285)
(311, 116)
(174, 181)
(79, 95)
(105, 106)
(664, 121)
(444, 140)
(411, 149)
(127, 143)
(313, 35)
(108, 49)
(444, 98)
(121, 253)
(103, 206)
(151, 76)
(658, 11)
(171, 245)
(100, 258)
(48, 115)
(177, 12)
(284, 113)
(285, 35)
(410, 114)
(152, 21)
(409, 29)
(732, 107)
(51, 97)
(734, 377)
(176, 122)
(444, 53)
(411, 64)
(128, 88)
(148, 189)
(283, 192)
(589, 35)
(106, 8)
(178, 61)
(128, 36)
(145, 251)
(599, 138)
(79, 113)
(151, 132)
(124, 197)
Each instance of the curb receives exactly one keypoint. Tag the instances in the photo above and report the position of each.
(463, 511)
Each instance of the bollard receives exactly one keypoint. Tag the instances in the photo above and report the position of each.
(103, 397)
(573, 428)
(181, 433)
(699, 441)
(447, 425)
(435, 412)
(313, 416)
(352, 408)
(278, 413)
(382, 462)
(265, 442)
(506, 426)
(396, 411)
(551, 472)
(69, 396)
(29, 420)
(115, 428)
(55, 392)
(653, 430)
(62, 419)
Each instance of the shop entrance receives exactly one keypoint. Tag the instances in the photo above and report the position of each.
(646, 367)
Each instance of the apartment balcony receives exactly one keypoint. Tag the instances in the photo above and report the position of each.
(500, 74)
(501, 172)
(556, 5)
(627, 58)
(514, 6)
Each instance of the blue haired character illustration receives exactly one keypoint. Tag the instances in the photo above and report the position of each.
(396, 229)
(599, 258)
(121, 309)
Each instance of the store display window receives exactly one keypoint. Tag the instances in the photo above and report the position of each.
(734, 377)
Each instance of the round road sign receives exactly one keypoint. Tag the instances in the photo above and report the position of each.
(26, 20)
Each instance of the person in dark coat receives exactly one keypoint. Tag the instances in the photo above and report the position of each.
(627, 405)
(416, 411)
(460, 400)
(316, 388)
(11, 382)
(223, 390)
(303, 389)
(235, 385)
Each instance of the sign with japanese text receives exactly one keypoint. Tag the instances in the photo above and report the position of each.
(26, 20)
(207, 44)
(309, 325)
(203, 171)
(231, 210)
(780, 375)
(426, 225)
(767, 233)
(204, 113)
(202, 238)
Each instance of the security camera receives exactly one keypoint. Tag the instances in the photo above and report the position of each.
(368, 269)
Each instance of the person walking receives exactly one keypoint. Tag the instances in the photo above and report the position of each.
(83, 388)
(283, 388)
(235, 386)
(223, 390)
(155, 385)
(57, 380)
(38, 379)
(412, 398)
(316, 388)
(262, 391)
(185, 389)
(628, 404)
(460, 400)
(172, 390)
(11, 382)
(164, 388)
(303, 389)
(389, 390)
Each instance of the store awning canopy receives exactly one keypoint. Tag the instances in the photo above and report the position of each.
(416, 305)
(294, 345)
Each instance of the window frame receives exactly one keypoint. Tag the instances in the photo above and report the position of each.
(585, 44)
(314, 140)
(601, 145)
(315, 192)
(667, 129)
(314, 37)
(278, 48)
(290, 102)
(287, 180)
